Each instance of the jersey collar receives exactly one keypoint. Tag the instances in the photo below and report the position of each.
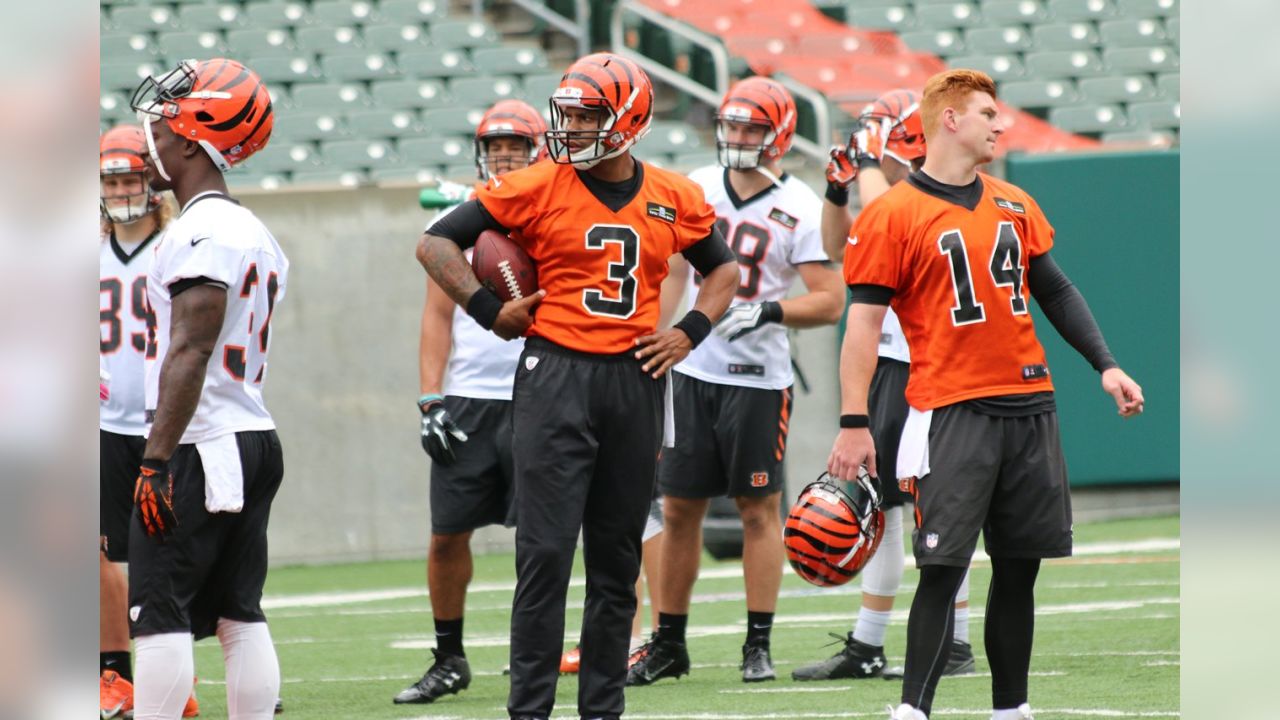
(966, 196)
(206, 195)
(614, 196)
(125, 257)
(738, 202)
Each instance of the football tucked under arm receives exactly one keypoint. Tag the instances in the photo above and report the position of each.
(503, 267)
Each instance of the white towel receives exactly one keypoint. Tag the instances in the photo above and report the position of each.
(913, 449)
(669, 414)
(223, 475)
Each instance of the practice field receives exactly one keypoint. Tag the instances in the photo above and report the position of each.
(1107, 646)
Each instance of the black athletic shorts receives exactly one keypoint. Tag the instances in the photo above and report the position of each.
(888, 411)
(476, 490)
(1004, 476)
(214, 565)
(119, 457)
(730, 440)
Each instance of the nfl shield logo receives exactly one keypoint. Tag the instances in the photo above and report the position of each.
(530, 363)
(931, 540)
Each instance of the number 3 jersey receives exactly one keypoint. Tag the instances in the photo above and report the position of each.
(771, 233)
(959, 279)
(123, 344)
(216, 241)
(602, 266)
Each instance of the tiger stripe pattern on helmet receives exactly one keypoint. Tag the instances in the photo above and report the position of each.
(900, 111)
(606, 82)
(756, 101)
(510, 118)
(830, 535)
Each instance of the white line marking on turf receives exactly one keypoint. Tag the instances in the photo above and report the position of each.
(850, 688)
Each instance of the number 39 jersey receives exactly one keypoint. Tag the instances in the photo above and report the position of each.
(123, 343)
(959, 281)
(770, 233)
(601, 268)
(217, 240)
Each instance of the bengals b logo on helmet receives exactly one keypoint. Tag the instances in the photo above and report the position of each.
(830, 535)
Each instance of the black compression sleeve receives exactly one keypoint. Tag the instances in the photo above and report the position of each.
(870, 294)
(709, 253)
(465, 223)
(1065, 307)
(178, 287)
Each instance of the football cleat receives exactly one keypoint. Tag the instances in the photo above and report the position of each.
(961, 662)
(854, 661)
(571, 660)
(1022, 712)
(448, 675)
(757, 666)
(115, 695)
(660, 659)
(905, 712)
(279, 706)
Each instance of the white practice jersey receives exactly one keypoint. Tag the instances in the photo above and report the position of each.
(771, 234)
(123, 343)
(481, 364)
(216, 238)
(893, 344)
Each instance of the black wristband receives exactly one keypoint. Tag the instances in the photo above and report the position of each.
(696, 325)
(855, 421)
(771, 311)
(839, 196)
(484, 307)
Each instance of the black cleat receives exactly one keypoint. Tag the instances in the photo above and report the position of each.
(757, 666)
(961, 662)
(279, 706)
(854, 661)
(658, 659)
(448, 675)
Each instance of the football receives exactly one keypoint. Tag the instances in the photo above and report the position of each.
(503, 266)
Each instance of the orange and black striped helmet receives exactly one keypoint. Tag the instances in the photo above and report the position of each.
(120, 152)
(617, 87)
(755, 101)
(510, 118)
(830, 534)
(218, 103)
(900, 111)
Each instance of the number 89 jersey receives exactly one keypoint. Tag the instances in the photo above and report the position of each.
(770, 233)
(123, 344)
(959, 281)
(216, 241)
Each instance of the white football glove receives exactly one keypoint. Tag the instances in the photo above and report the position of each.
(747, 317)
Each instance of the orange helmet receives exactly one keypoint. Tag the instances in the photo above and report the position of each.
(219, 103)
(900, 111)
(510, 118)
(830, 534)
(609, 83)
(755, 101)
(120, 152)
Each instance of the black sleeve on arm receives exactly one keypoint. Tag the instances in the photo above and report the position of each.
(709, 253)
(1065, 307)
(177, 287)
(465, 223)
(870, 294)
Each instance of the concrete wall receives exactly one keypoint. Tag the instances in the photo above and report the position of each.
(343, 380)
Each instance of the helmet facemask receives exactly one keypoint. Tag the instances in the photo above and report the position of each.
(485, 161)
(742, 156)
(158, 99)
(604, 142)
(134, 207)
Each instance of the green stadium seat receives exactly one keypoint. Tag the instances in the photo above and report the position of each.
(357, 65)
(1144, 59)
(1148, 8)
(342, 12)
(896, 17)
(299, 68)
(113, 105)
(666, 136)
(435, 63)
(328, 178)
(938, 42)
(351, 154)
(1039, 93)
(238, 179)
(1064, 63)
(1068, 10)
(383, 123)
(483, 91)
(694, 159)
(400, 94)
(1007, 12)
(213, 16)
(308, 125)
(1173, 30)
(278, 14)
(131, 47)
(459, 173)
(1088, 118)
(1065, 36)
(1152, 138)
(1169, 85)
(253, 42)
(396, 37)
(328, 39)
(200, 43)
(1127, 32)
(1158, 115)
(509, 60)
(949, 15)
(537, 89)
(125, 76)
(437, 151)
(403, 176)
(331, 97)
(919, 3)
(412, 11)
(284, 157)
(143, 19)
(1009, 39)
(450, 121)
(462, 34)
(1120, 88)
(999, 67)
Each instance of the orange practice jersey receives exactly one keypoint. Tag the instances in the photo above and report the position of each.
(959, 281)
(602, 270)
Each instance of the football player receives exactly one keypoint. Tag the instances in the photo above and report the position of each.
(589, 389)
(465, 375)
(212, 462)
(733, 394)
(957, 253)
(888, 146)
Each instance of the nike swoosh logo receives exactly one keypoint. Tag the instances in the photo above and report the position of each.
(853, 240)
(497, 183)
(196, 241)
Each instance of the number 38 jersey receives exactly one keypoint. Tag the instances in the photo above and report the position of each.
(123, 343)
(215, 240)
(959, 281)
(601, 267)
(770, 232)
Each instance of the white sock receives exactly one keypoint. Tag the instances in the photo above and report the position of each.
(871, 626)
(962, 624)
(253, 672)
(1022, 712)
(906, 712)
(163, 673)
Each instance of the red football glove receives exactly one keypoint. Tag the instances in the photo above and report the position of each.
(867, 142)
(153, 496)
(841, 171)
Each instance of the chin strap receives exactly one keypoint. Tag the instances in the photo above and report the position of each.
(765, 172)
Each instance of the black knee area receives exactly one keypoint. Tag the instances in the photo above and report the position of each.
(1009, 628)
